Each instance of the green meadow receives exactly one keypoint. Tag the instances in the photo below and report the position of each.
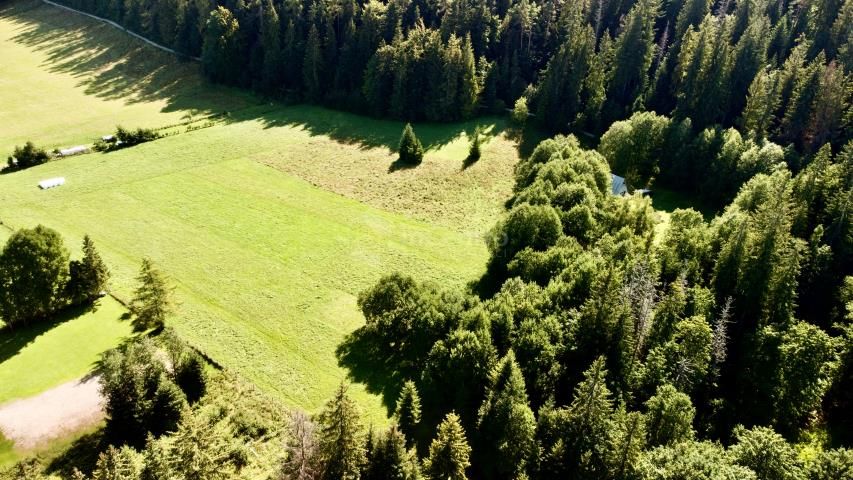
(269, 222)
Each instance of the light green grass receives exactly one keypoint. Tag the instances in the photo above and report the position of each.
(67, 80)
(36, 358)
(267, 266)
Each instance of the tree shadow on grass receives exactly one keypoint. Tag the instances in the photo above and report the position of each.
(82, 454)
(14, 340)
(361, 353)
(109, 64)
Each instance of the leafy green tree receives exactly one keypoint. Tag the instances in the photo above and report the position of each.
(190, 376)
(449, 452)
(221, 50)
(410, 149)
(27, 156)
(88, 276)
(152, 301)
(766, 453)
(33, 272)
(408, 413)
(669, 416)
(341, 438)
(830, 465)
(520, 111)
(506, 423)
(691, 460)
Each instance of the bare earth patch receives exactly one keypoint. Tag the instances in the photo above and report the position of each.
(56, 413)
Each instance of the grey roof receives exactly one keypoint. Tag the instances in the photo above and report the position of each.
(618, 185)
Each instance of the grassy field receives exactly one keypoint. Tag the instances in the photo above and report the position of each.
(55, 353)
(266, 264)
(67, 80)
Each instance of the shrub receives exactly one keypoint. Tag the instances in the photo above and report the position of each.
(520, 111)
(411, 151)
(25, 157)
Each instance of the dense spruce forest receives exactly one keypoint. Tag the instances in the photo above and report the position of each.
(779, 71)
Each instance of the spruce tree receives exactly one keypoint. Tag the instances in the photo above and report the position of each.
(273, 68)
(474, 148)
(411, 151)
(152, 301)
(389, 460)
(408, 414)
(341, 438)
(87, 277)
(506, 423)
(312, 65)
(449, 452)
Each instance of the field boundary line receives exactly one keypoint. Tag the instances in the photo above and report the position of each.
(116, 25)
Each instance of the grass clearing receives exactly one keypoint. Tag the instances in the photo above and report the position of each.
(58, 352)
(267, 266)
(68, 79)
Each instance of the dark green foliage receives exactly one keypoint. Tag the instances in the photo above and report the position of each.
(389, 460)
(130, 138)
(141, 399)
(767, 454)
(33, 272)
(152, 300)
(408, 413)
(474, 147)
(449, 452)
(506, 424)
(410, 151)
(88, 276)
(669, 417)
(341, 438)
(191, 377)
(25, 157)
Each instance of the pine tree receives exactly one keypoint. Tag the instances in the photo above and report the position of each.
(474, 147)
(341, 438)
(408, 413)
(117, 464)
(506, 423)
(152, 301)
(449, 452)
(411, 151)
(312, 65)
(389, 460)
(87, 277)
(669, 417)
(273, 68)
(762, 105)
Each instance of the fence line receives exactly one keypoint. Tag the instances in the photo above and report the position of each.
(116, 25)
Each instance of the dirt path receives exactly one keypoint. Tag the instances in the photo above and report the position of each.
(32, 422)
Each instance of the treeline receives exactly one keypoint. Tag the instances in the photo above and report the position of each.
(37, 280)
(599, 347)
(780, 70)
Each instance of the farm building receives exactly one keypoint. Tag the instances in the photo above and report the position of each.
(51, 182)
(73, 150)
(617, 185)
